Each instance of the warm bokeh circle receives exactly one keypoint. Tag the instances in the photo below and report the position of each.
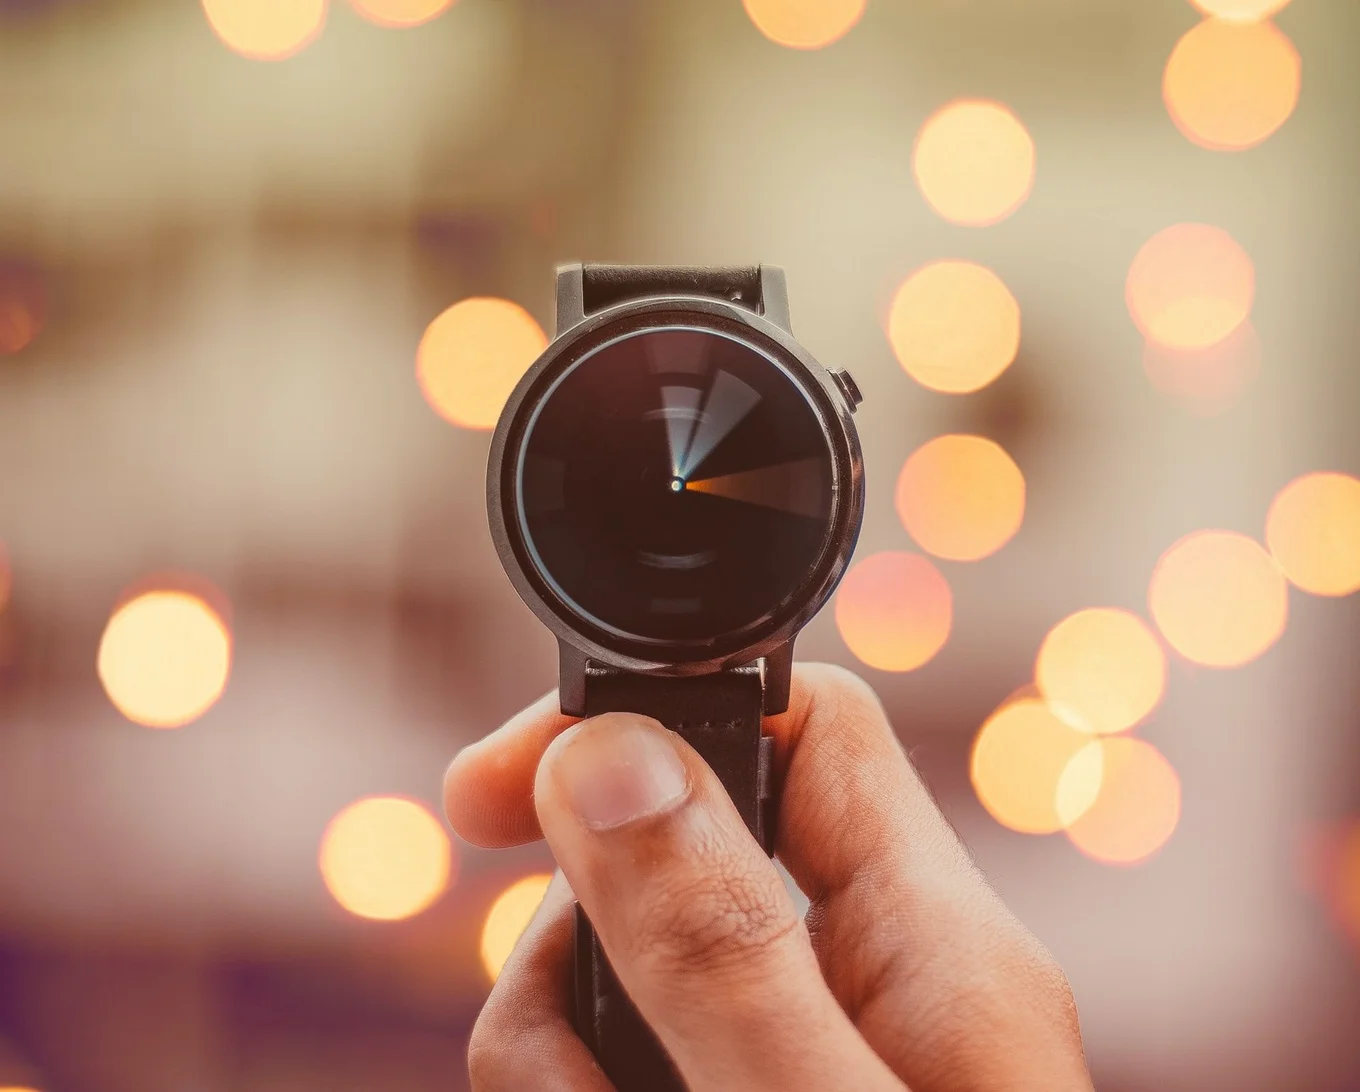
(1101, 670)
(805, 24)
(386, 858)
(974, 162)
(164, 658)
(401, 13)
(894, 610)
(1218, 598)
(1230, 85)
(961, 497)
(1137, 807)
(472, 356)
(1209, 380)
(1190, 286)
(507, 919)
(266, 30)
(1313, 531)
(1242, 11)
(954, 326)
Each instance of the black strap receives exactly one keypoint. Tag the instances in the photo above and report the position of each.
(605, 285)
(720, 717)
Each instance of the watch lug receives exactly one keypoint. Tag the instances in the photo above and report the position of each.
(571, 679)
(571, 295)
(774, 296)
(778, 678)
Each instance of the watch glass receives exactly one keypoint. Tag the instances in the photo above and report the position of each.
(675, 486)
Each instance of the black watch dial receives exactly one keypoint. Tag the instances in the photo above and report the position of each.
(675, 486)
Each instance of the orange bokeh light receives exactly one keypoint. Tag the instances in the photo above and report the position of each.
(961, 497)
(22, 307)
(164, 658)
(954, 326)
(401, 13)
(974, 162)
(805, 24)
(1219, 598)
(507, 919)
(472, 356)
(1018, 764)
(1313, 530)
(386, 858)
(266, 30)
(1136, 809)
(1241, 11)
(1101, 670)
(1190, 286)
(1229, 85)
(894, 610)
(1205, 381)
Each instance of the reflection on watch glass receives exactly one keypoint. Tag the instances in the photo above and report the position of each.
(675, 485)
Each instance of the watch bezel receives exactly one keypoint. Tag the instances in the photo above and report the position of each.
(725, 650)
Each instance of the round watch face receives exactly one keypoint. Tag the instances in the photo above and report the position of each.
(675, 486)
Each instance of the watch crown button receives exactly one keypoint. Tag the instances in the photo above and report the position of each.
(848, 387)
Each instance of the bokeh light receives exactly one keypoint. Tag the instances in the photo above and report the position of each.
(507, 919)
(1242, 11)
(954, 326)
(401, 13)
(164, 658)
(1018, 760)
(472, 356)
(961, 497)
(1218, 598)
(1137, 807)
(266, 30)
(23, 307)
(1230, 85)
(1313, 531)
(805, 24)
(1209, 380)
(1190, 286)
(386, 858)
(974, 162)
(1101, 670)
(6, 577)
(894, 610)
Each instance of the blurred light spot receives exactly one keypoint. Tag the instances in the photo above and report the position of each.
(804, 24)
(1079, 783)
(1209, 380)
(507, 919)
(974, 162)
(22, 307)
(1218, 598)
(1313, 529)
(164, 658)
(954, 326)
(385, 858)
(1241, 11)
(401, 13)
(472, 356)
(894, 611)
(1101, 670)
(1018, 759)
(266, 30)
(1190, 286)
(961, 497)
(6, 577)
(1229, 85)
(1137, 808)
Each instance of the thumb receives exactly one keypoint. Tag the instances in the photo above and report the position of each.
(693, 916)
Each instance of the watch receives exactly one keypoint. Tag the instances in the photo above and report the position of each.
(674, 488)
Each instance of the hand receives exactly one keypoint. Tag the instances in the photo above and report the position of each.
(908, 969)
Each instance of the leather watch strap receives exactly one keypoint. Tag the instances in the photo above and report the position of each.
(605, 285)
(720, 717)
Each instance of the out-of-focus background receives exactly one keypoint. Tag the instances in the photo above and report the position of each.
(267, 271)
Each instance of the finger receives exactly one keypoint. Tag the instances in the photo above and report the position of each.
(489, 785)
(693, 916)
(936, 973)
(523, 1037)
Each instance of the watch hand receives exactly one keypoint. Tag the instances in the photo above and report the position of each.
(794, 487)
(729, 400)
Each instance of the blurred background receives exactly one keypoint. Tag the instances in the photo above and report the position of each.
(268, 269)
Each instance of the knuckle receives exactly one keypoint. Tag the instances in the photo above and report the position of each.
(730, 918)
(486, 1059)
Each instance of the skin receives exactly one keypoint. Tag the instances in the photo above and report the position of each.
(907, 972)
